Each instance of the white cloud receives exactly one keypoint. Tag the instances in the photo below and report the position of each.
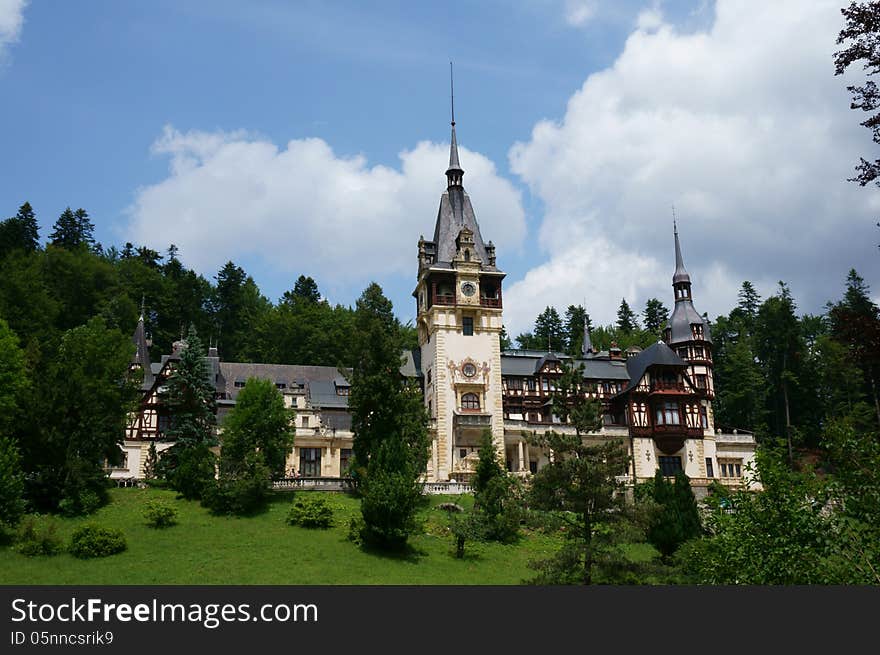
(304, 208)
(743, 127)
(579, 12)
(11, 21)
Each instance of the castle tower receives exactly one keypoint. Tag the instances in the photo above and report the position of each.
(458, 298)
(687, 333)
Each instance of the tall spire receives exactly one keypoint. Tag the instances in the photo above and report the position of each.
(587, 347)
(681, 275)
(454, 173)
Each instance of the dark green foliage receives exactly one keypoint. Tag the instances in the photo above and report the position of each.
(32, 540)
(626, 318)
(575, 319)
(466, 526)
(159, 514)
(93, 540)
(189, 469)
(13, 380)
(258, 422)
(488, 466)
(237, 308)
(388, 507)
(390, 425)
(242, 490)
(506, 343)
(73, 230)
(189, 397)
(581, 486)
(20, 232)
(306, 289)
(656, 314)
(548, 333)
(11, 484)
(498, 499)
(65, 457)
(862, 36)
(311, 512)
(151, 463)
(677, 519)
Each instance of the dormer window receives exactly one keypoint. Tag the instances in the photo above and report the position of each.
(281, 385)
(698, 331)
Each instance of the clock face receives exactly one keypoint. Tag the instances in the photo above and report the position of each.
(468, 289)
(469, 370)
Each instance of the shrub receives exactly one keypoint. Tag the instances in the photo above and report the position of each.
(159, 514)
(96, 541)
(241, 492)
(311, 513)
(32, 541)
(78, 503)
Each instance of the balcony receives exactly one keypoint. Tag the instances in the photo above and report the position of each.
(444, 299)
(490, 302)
(472, 420)
(661, 386)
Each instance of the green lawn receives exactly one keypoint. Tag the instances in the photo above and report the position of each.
(263, 549)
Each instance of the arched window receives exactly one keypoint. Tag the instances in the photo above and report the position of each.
(470, 401)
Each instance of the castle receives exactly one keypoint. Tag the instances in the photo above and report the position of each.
(659, 401)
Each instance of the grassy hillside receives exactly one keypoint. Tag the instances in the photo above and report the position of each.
(204, 549)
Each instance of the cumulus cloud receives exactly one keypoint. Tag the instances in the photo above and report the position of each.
(11, 21)
(302, 207)
(744, 127)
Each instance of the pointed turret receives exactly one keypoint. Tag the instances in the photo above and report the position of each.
(685, 324)
(680, 275)
(587, 347)
(141, 357)
(455, 172)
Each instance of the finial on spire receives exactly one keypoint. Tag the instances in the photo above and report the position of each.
(143, 301)
(680, 275)
(452, 94)
(454, 173)
(587, 346)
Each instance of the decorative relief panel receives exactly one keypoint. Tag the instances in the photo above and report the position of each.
(468, 371)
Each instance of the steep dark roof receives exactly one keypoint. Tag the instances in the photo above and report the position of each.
(456, 213)
(288, 373)
(412, 365)
(141, 355)
(658, 353)
(322, 393)
(683, 316)
(680, 275)
(514, 363)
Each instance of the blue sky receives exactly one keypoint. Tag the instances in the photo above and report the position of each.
(310, 137)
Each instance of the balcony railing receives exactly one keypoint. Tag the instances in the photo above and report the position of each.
(661, 386)
(444, 299)
(490, 302)
(473, 420)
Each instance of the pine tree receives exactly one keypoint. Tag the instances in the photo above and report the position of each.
(72, 230)
(390, 426)
(575, 318)
(151, 462)
(677, 519)
(189, 398)
(549, 333)
(488, 467)
(305, 289)
(656, 314)
(626, 318)
(20, 232)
